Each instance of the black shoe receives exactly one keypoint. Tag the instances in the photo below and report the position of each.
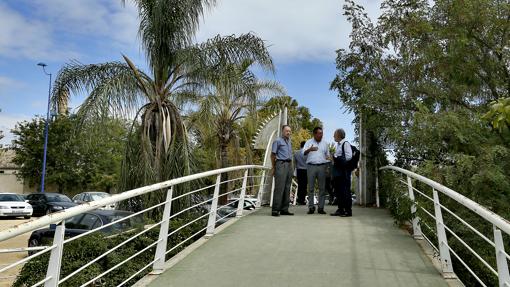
(346, 215)
(275, 213)
(311, 210)
(321, 211)
(286, 213)
(338, 212)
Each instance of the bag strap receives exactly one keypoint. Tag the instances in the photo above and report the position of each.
(343, 149)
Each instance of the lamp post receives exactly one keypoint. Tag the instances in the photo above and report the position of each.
(43, 65)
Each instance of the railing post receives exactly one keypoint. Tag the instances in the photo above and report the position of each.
(55, 262)
(240, 203)
(444, 251)
(503, 275)
(211, 224)
(416, 220)
(159, 264)
(377, 203)
(261, 189)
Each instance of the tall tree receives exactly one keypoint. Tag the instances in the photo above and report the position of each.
(158, 149)
(233, 93)
(77, 161)
(420, 81)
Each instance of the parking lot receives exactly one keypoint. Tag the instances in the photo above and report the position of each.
(7, 258)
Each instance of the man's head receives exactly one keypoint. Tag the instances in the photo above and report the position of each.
(303, 144)
(286, 131)
(339, 135)
(317, 134)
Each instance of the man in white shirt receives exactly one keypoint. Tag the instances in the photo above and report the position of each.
(342, 176)
(317, 152)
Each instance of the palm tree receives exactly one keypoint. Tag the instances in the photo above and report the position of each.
(234, 93)
(157, 148)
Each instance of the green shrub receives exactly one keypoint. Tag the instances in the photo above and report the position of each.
(81, 251)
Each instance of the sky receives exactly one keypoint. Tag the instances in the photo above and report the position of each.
(302, 36)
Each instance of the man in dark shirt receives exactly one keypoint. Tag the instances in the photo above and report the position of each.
(300, 163)
(281, 158)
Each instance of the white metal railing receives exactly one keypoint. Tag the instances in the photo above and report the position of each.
(442, 247)
(53, 272)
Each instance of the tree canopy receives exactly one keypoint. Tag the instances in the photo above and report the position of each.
(84, 160)
(430, 81)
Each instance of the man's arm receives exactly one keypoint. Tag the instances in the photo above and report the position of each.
(308, 148)
(348, 151)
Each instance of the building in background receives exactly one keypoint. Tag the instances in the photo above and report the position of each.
(8, 179)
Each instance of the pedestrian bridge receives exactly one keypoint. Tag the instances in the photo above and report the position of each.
(367, 249)
(255, 249)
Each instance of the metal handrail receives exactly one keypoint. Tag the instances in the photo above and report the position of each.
(486, 214)
(53, 274)
(499, 223)
(73, 211)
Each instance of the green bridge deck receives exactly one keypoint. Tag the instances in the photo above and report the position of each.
(306, 250)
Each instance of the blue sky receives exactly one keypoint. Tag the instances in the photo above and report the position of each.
(302, 36)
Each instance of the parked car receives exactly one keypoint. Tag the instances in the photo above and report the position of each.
(47, 202)
(14, 205)
(87, 221)
(248, 204)
(89, 196)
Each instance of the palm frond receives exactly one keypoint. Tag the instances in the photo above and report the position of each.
(112, 88)
(204, 60)
(165, 27)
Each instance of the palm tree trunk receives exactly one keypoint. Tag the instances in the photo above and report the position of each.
(224, 176)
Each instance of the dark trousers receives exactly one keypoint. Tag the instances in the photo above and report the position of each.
(302, 181)
(343, 190)
(282, 180)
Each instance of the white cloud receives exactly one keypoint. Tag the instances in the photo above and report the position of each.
(21, 37)
(295, 29)
(95, 18)
(45, 33)
(7, 123)
(6, 83)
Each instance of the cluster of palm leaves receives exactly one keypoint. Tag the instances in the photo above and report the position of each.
(213, 76)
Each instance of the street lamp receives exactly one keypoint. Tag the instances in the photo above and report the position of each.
(43, 65)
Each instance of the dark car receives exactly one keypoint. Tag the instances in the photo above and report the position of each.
(87, 221)
(48, 202)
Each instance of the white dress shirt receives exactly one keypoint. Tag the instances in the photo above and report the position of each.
(319, 156)
(347, 149)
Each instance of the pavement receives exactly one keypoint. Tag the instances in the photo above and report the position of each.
(367, 249)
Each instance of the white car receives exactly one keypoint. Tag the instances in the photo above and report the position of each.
(89, 196)
(14, 205)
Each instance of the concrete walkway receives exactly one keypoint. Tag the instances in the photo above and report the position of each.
(306, 250)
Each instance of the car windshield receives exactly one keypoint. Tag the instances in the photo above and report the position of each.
(11, 197)
(97, 196)
(132, 222)
(58, 198)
